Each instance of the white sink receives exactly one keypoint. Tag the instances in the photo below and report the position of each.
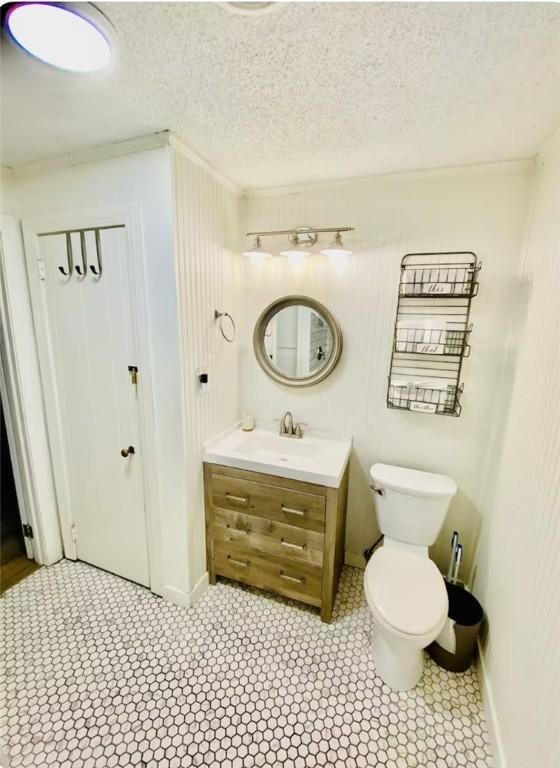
(314, 458)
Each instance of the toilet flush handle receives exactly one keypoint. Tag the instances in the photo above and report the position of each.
(380, 491)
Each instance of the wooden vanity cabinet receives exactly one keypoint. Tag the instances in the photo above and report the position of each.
(285, 536)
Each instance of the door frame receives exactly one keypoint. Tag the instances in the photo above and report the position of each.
(130, 217)
(14, 413)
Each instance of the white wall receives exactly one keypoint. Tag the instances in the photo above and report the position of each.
(141, 180)
(481, 209)
(207, 212)
(518, 566)
(8, 194)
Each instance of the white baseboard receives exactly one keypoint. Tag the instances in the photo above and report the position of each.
(186, 599)
(176, 596)
(199, 588)
(355, 560)
(492, 721)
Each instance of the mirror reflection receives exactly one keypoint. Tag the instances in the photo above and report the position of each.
(298, 341)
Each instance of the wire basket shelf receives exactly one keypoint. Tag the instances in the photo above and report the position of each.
(451, 280)
(411, 397)
(432, 341)
(432, 331)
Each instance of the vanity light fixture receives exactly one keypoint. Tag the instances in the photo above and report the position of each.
(69, 36)
(336, 249)
(302, 239)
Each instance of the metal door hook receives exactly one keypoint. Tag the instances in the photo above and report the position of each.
(69, 258)
(82, 271)
(98, 270)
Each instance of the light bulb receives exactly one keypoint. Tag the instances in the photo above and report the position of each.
(296, 256)
(257, 253)
(336, 249)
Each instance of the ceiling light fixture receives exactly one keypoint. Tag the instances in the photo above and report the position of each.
(336, 249)
(68, 37)
(253, 8)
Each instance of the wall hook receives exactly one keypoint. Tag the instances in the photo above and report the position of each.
(69, 258)
(98, 270)
(82, 271)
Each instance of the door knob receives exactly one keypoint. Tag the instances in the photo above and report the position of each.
(127, 451)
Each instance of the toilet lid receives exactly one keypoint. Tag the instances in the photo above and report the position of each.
(408, 591)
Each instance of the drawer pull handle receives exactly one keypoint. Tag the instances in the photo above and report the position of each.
(237, 499)
(242, 563)
(292, 545)
(290, 511)
(298, 579)
(241, 531)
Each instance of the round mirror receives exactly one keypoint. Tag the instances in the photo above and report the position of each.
(297, 341)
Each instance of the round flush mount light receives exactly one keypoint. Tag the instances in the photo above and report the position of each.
(253, 8)
(72, 37)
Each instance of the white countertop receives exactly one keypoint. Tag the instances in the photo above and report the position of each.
(315, 458)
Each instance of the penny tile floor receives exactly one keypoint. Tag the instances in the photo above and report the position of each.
(98, 672)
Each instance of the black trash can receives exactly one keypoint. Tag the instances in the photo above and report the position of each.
(466, 613)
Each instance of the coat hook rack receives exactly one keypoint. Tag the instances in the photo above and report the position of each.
(219, 317)
(81, 270)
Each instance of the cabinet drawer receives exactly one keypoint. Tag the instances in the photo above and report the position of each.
(297, 580)
(284, 505)
(268, 537)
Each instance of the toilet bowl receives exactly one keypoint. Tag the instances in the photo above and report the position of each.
(404, 589)
(407, 597)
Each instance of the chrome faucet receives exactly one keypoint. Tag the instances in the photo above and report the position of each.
(287, 428)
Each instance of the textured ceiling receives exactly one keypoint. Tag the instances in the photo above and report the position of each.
(309, 91)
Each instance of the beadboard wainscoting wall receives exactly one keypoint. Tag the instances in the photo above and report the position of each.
(482, 208)
(207, 216)
(518, 565)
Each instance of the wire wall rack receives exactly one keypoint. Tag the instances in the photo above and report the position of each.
(432, 331)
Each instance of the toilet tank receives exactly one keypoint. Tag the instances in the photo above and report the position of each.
(412, 505)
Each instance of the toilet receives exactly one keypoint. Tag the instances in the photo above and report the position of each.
(404, 589)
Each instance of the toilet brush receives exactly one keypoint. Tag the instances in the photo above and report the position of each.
(454, 545)
(458, 558)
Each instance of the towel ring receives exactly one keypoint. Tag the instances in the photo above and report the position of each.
(219, 316)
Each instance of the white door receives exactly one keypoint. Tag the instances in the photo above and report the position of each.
(90, 328)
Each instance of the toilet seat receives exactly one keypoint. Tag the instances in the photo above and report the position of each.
(407, 592)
